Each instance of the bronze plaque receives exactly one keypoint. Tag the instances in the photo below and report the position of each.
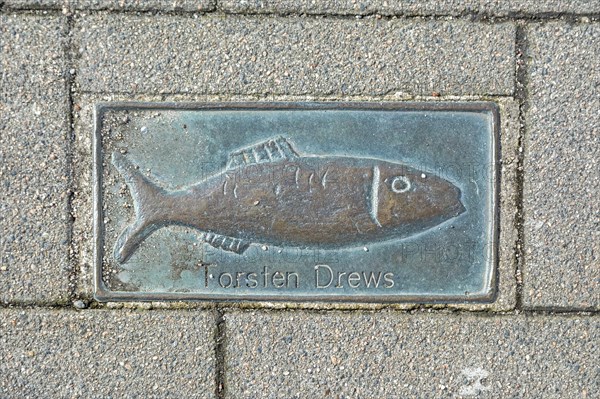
(383, 202)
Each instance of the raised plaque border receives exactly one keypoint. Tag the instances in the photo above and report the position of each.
(102, 294)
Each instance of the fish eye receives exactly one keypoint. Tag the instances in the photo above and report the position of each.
(400, 184)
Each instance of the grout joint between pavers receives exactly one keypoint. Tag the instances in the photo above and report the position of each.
(216, 10)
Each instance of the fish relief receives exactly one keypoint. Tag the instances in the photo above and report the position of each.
(271, 194)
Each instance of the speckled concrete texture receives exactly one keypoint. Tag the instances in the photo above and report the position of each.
(538, 339)
(387, 355)
(33, 4)
(68, 6)
(34, 245)
(144, 5)
(344, 7)
(411, 8)
(562, 167)
(263, 55)
(106, 354)
(509, 137)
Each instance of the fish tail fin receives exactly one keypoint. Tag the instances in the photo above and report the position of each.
(147, 198)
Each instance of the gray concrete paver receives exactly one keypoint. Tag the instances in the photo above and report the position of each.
(410, 8)
(292, 56)
(391, 355)
(106, 354)
(114, 5)
(34, 264)
(504, 8)
(82, 203)
(562, 170)
(144, 5)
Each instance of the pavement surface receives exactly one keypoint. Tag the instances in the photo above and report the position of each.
(387, 355)
(539, 61)
(55, 353)
(562, 175)
(34, 132)
(292, 55)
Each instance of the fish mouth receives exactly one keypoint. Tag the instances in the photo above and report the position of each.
(459, 208)
(455, 206)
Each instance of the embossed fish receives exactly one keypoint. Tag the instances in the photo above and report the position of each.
(270, 194)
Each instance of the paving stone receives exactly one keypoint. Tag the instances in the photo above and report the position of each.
(33, 163)
(335, 7)
(144, 5)
(424, 7)
(82, 243)
(562, 167)
(391, 355)
(114, 5)
(299, 56)
(509, 132)
(33, 4)
(106, 354)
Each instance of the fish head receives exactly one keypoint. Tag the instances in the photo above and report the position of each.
(412, 200)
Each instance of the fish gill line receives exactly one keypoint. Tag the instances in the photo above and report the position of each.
(374, 208)
(324, 178)
(297, 176)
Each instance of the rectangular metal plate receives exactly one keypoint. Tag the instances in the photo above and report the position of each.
(371, 202)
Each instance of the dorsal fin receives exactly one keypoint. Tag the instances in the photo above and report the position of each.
(272, 150)
(225, 243)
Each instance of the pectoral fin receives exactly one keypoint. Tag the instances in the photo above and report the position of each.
(225, 243)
